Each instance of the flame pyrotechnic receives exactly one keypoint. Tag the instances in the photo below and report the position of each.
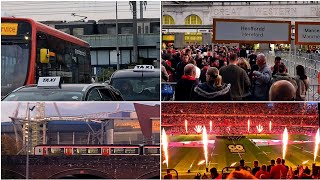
(233, 164)
(165, 147)
(248, 125)
(198, 129)
(305, 162)
(210, 126)
(270, 126)
(284, 142)
(186, 125)
(201, 162)
(259, 128)
(316, 146)
(205, 144)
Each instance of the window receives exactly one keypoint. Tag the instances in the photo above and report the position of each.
(78, 31)
(193, 20)
(94, 95)
(167, 20)
(106, 95)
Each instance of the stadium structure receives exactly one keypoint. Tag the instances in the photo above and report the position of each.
(236, 131)
(118, 127)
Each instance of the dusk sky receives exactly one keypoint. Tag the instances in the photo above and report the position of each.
(67, 108)
(61, 10)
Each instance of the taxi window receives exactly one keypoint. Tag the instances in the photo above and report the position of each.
(138, 88)
(106, 94)
(94, 95)
(44, 95)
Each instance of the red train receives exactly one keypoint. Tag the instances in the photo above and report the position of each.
(104, 150)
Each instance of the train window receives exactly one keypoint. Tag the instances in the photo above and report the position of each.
(82, 150)
(124, 150)
(94, 150)
(151, 151)
(117, 150)
(56, 150)
(131, 150)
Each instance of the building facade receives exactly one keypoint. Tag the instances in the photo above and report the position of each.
(101, 35)
(190, 22)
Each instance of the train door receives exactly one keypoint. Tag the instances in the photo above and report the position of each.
(68, 151)
(105, 152)
(44, 151)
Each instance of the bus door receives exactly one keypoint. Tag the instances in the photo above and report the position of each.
(68, 151)
(105, 152)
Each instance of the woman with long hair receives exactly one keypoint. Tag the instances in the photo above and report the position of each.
(303, 83)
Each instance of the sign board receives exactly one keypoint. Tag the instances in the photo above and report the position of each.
(236, 148)
(307, 33)
(140, 68)
(49, 82)
(251, 31)
(9, 29)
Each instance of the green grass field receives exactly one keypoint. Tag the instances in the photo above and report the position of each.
(181, 158)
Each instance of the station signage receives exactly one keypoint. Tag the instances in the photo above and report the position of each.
(307, 33)
(251, 31)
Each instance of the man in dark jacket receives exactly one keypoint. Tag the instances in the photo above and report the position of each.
(212, 89)
(237, 77)
(181, 65)
(185, 86)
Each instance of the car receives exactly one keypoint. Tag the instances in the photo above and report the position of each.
(142, 83)
(49, 91)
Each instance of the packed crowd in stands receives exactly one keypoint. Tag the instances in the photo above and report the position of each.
(239, 120)
(221, 73)
(241, 130)
(240, 108)
(232, 118)
(277, 169)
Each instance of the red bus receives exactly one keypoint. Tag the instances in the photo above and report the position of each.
(30, 50)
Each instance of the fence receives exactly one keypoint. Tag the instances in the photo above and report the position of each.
(312, 69)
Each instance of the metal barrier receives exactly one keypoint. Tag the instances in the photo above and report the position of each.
(312, 69)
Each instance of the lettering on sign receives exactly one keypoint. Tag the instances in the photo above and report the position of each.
(49, 79)
(144, 67)
(307, 33)
(9, 29)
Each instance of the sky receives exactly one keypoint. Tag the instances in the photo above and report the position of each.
(66, 108)
(61, 10)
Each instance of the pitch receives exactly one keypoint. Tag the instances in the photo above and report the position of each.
(186, 152)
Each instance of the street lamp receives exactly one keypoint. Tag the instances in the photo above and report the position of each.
(28, 142)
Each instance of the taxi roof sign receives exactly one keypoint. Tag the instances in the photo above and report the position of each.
(143, 68)
(49, 82)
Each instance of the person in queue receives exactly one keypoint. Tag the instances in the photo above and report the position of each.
(261, 79)
(282, 90)
(180, 67)
(303, 83)
(185, 86)
(237, 77)
(212, 89)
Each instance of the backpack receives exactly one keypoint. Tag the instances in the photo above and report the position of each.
(167, 91)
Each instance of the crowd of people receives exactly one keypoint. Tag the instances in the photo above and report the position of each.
(277, 169)
(241, 108)
(232, 118)
(220, 73)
